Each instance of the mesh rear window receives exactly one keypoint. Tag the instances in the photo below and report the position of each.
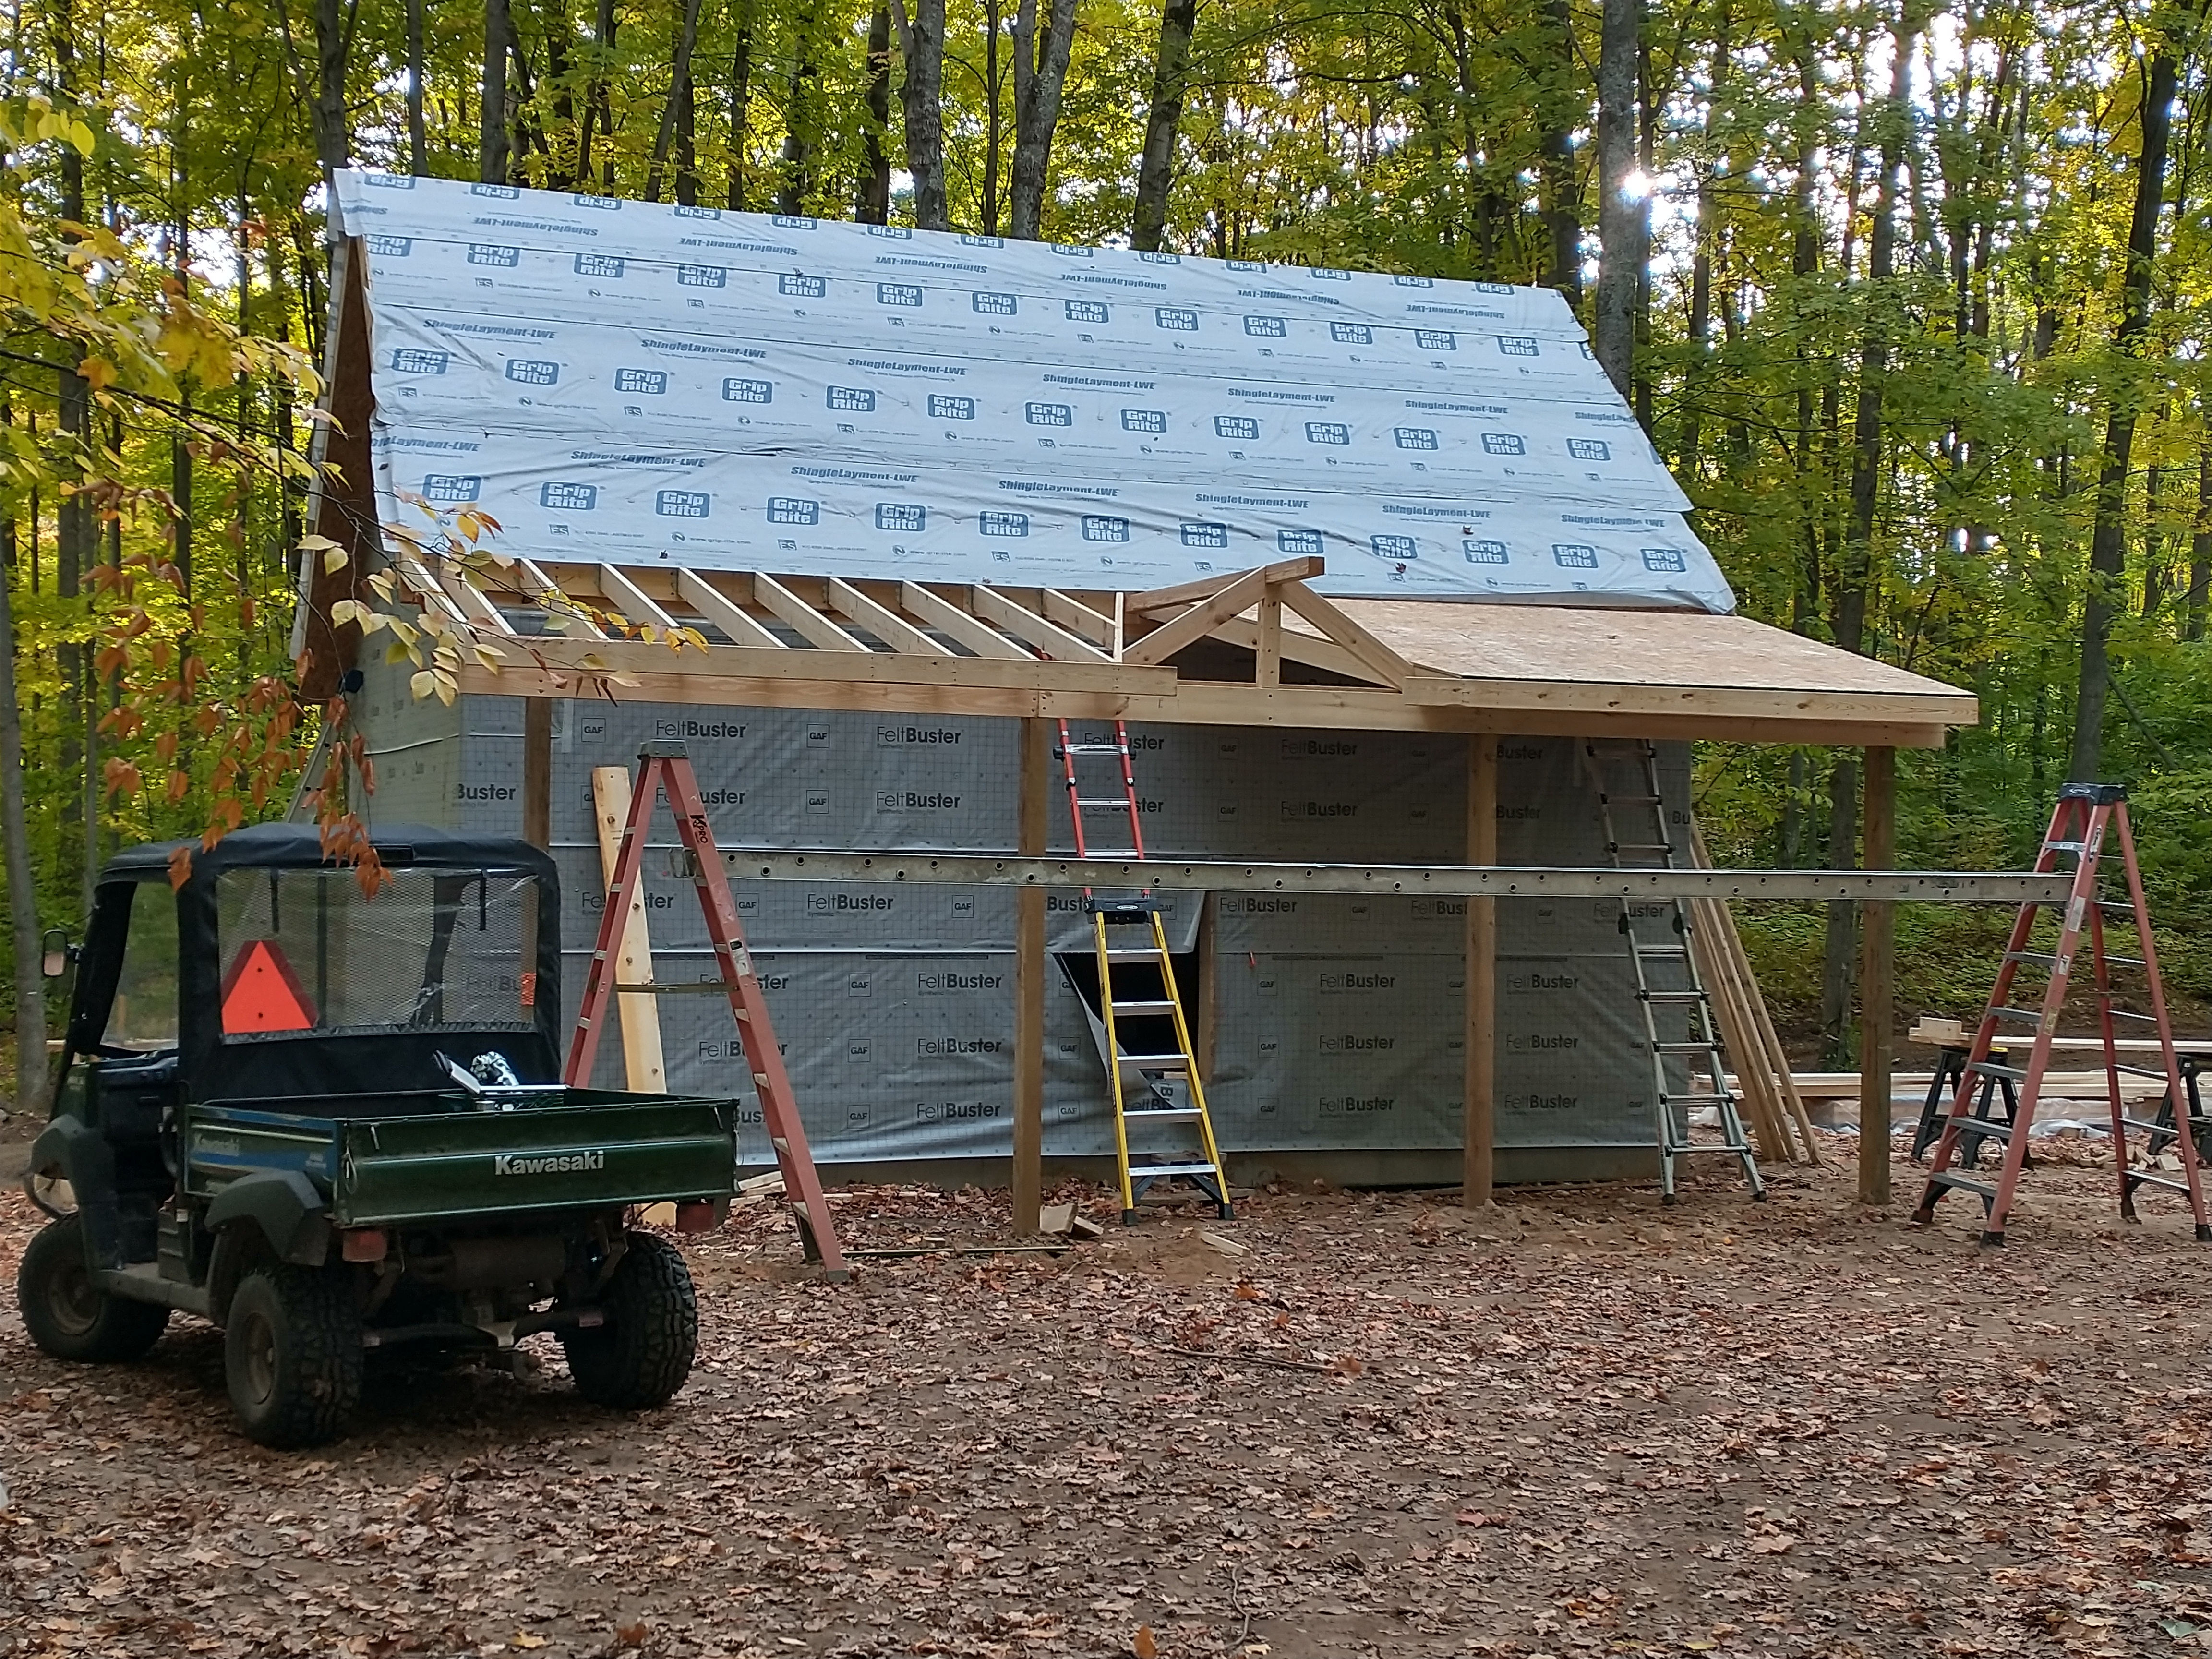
(304, 951)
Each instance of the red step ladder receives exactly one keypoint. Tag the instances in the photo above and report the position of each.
(2085, 815)
(666, 766)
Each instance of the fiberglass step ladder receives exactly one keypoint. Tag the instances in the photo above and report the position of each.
(666, 766)
(2085, 815)
(1626, 777)
(1136, 982)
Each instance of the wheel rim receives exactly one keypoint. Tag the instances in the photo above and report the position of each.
(72, 1301)
(257, 1344)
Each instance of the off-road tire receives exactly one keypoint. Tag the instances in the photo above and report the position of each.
(641, 1355)
(292, 1354)
(69, 1318)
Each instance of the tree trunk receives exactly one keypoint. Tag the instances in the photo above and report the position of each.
(921, 92)
(598, 104)
(1170, 71)
(418, 148)
(1839, 960)
(1613, 334)
(494, 147)
(872, 201)
(994, 134)
(15, 844)
(334, 28)
(1562, 204)
(2108, 539)
(1040, 75)
(2200, 551)
(798, 119)
(677, 116)
(741, 99)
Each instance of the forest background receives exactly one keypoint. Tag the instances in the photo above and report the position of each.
(1912, 296)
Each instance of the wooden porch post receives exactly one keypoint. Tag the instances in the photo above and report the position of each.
(1035, 783)
(1877, 981)
(538, 772)
(1481, 973)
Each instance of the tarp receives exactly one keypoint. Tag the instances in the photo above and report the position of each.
(621, 380)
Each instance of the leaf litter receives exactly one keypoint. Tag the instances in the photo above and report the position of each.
(1576, 1424)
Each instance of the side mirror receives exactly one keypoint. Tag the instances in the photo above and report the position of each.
(59, 953)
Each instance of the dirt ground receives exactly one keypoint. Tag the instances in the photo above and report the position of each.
(1579, 1425)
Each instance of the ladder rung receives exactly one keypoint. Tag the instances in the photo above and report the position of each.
(2110, 907)
(2138, 1071)
(1158, 1005)
(1698, 1100)
(1693, 995)
(1092, 748)
(1163, 1114)
(1964, 1184)
(1100, 803)
(2032, 1016)
(1139, 1171)
(1990, 1068)
(1156, 1062)
(2167, 1181)
(2040, 958)
(1970, 1125)
(1130, 953)
(1632, 801)
(2150, 1129)
(1663, 951)
(2125, 961)
(1685, 1047)
(2146, 1019)
(2064, 846)
(1641, 847)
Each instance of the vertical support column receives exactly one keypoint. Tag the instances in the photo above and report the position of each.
(1877, 981)
(1036, 785)
(538, 772)
(643, 1067)
(1481, 973)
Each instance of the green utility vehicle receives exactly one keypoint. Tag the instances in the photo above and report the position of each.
(330, 1123)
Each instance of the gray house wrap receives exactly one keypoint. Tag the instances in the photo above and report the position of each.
(1338, 1018)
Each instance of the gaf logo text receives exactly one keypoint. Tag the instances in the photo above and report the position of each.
(1334, 433)
(642, 382)
(906, 295)
(533, 371)
(680, 504)
(790, 509)
(1574, 556)
(1589, 449)
(802, 287)
(1003, 523)
(1154, 421)
(738, 390)
(1100, 527)
(902, 515)
(990, 304)
(852, 400)
(569, 497)
(599, 264)
(945, 407)
(1241, 426)
(1049, 414)
(490, 253)
(411, 360)
(1086, 311)
(450, 486)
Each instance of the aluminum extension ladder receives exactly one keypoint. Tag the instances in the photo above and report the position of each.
(666, 766)
(2085, 816)
(1626, 779)
(1155, 1088)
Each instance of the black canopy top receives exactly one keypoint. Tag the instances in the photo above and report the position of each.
(300, 847)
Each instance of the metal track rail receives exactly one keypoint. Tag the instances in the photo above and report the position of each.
(1443, 881)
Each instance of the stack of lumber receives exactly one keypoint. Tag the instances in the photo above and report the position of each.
(1767, 1093)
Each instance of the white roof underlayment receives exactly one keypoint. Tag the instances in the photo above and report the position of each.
(621, 380)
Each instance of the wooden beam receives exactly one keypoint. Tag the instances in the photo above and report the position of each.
(537, 782)
(883, 622)
(1877, 979)
(1267, 661)
(1602, 696)
(1035, 783)
(635, 605)
(1027, 625)
(1072, 614)
(1389, 667)
(1183, 594)
(1298, 646)
(950, 620)
(473, 602)
(642, 1063)
(809, 624)
(718, 608)
(1478, 1114)
(427, 590)
(1200, 620)
(538, 586)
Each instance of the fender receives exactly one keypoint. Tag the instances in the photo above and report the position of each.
(72, 1149)
(283, 1204)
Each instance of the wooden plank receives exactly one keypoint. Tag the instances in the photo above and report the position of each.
(1267, 659)
(883, 622)
(718, 608)
(538, 587)
(537, 814)
(950, 620)
(809, 624)
(633, 602)
(1710, 701)
(1024, 624)
(1389, 667)
(1479, 1117)
(474, 603)
(642, 1063)
(1035, 785)
(1072, 614)
(1877, 979)
(427, 590)
(1186, 593)
(1200, 620)
(1298, 646)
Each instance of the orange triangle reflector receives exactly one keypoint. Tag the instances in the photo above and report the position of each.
(260, 993)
